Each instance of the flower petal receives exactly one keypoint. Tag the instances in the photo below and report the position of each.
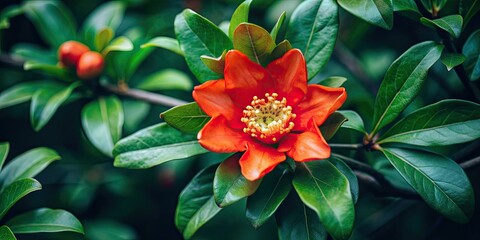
(306, 146)
(290, 75)
(214, 101)
(318, 104)
(259, 159)
(245, 79)
(217, 136)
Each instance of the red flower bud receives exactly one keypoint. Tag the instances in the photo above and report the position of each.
(69, 53)
(90, 65)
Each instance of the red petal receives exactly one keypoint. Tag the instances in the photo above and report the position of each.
(306, 146)
(318, 104)
(259, 159)
(245, 79)
(290, 75)
(214, 101)
(217, 136)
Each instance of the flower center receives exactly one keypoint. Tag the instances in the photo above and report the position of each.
(268, 118)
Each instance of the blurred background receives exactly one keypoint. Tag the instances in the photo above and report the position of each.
(116, 203)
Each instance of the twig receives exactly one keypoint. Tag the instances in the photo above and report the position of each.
(350, 146)
(470, 163)
(11, 61)
(144, 95)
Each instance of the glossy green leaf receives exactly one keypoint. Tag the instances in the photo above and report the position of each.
(239, 16)
(45, 103)
(324, 189)
(403, 82)
(433, 6)
(45, 220)
(6, 233)
(444, 123)
(376, 12)
(278, 26)
(153, 146)
(122, 44)
(451, 24)
(405, 5)
(354, 121)
(7, 13)
(188, 118)
(282, 48)
(451, 60)
(4, 148)
(440, 181)
(217, 65)
(331, 125)
(19, 93)
(16, 191)
(334, 82)
(166, 79)
(49, 69)
(135, 111)
(102, 121)
(34, 53)
(313, 29)
(471, 50)
(196, 204)
(265, 201)
(109, 229)
(51, 17)
(468, 9)
(348, 173)
(195, 34)
(253, 41)
(107, 15)
(27, 165)
(170, 44)
(229, 185)
(297, 221)
(103, 37)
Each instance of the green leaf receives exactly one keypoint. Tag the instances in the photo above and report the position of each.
(376, 12)
(45, 103)
(188, 118)
(27, 165)
(49, 69)
(153, 146)
(15, 191)
(103, 38)
(53, 21)
(468, 9)
(102, 121)
(135, 111)
(107, 15)
(282, 48)
(451, 60)
(253, 41)
(195, 34)
(334, 82)
(433, 6)
(239, 16)
(34, 53)
(45, 220)
(348, 173)
(217, 65)
(444, 123)
(405, 5)
(167, 79)
(170, 44)
(4, 148)
(278, 26)
(354, 121)
(229, 185)
(451, 24)
(471, 50)
(332, 124)
(122, 44)
(313, 29)
(403, 82)
(6, 233)
(297, 221)
(7, 13)
(19, 93)
(109, 229)
(196, 205)
(265, 201)
(324, 189)
(439, 181)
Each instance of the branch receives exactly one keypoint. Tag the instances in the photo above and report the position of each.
(144, 95)
(470, 163)
(341, 145)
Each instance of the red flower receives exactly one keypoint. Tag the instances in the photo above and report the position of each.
(266, 112)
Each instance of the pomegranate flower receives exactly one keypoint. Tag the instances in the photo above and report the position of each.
(266, 112)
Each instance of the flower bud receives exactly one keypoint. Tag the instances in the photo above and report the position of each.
(90, 65)
(69, 53)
